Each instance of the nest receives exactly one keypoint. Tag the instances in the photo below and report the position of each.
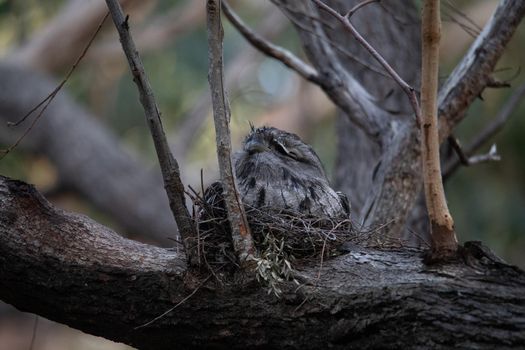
(304, 236)
(283, 238)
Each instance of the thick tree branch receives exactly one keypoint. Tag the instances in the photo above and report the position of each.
(474, 72)
(241, 236)
(72, 270)
(168, 164)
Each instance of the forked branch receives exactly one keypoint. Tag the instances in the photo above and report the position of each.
(345, 21)
(168, 164)
(286, 57)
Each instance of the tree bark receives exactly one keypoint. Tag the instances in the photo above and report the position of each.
(240, 230)
(444, 241)
(70, 269)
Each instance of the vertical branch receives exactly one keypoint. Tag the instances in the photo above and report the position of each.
(444, 242)
(169, 166)
(241, 236)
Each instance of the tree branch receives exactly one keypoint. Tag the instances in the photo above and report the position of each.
(340, 86)
(271, 25)
(168, 164)
(487, 133)
(444, 242)
(286, 57)
(409, 91)
(475, 70)
(72, 270)
(241, 236)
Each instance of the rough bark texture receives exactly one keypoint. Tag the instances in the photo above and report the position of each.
(443, 237)
(240, 231)
(88, 158)
(70, 269)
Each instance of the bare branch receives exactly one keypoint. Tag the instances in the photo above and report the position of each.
(377, 56)
(497, 124)
(341, 87)
(488, 132)
(362, 4)
(444, 241)
(465, 160)
(241, 236)
(168, 164)
(45, 102)
(286, 57)
(456, 146)
(472, 74)
(491, 156)
(76, 18)
(181, 141)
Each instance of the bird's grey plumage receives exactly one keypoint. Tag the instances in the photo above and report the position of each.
(276, 169)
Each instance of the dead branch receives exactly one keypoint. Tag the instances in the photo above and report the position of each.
(465, 156)
(241, 236)
(343, 89)
(286, 57)
(44, 104)
(360, 5)
(344, 19)
(471, 75)
(168, 164)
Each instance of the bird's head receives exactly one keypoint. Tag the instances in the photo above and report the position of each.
(280, 147)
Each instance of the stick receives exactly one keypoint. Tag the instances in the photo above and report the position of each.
(168, 164)
(241, 236)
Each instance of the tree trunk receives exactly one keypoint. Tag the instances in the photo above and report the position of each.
(72, 270)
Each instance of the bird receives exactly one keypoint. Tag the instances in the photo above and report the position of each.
(276, 170)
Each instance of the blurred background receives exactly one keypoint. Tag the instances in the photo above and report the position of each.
(44, 38)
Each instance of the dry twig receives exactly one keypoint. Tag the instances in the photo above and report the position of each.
(240, 231)
(168, 164)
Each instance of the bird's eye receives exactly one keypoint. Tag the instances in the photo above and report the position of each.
(281, 148)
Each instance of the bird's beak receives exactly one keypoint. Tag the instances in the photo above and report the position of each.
(255, 146)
